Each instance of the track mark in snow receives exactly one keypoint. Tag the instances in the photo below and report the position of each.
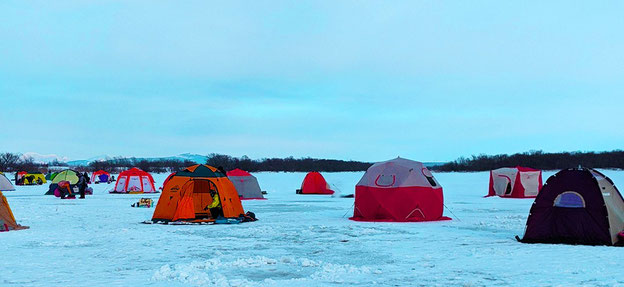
(264, 271)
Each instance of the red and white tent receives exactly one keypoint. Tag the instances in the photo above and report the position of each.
(134, 180)
(398, 190)
(515, 182)
(246, 184)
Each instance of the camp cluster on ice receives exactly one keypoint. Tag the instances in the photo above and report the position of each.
(574, 206)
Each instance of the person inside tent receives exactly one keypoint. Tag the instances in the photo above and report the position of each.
(215, 207)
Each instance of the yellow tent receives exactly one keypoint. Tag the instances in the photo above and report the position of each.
(30, 178)
(6, 216)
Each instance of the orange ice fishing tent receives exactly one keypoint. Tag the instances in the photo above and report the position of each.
(7, 220)
(186, 196)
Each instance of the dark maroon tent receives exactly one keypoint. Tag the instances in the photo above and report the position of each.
(576, 206)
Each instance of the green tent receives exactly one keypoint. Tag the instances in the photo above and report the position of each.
(66, 175)
(51, 175)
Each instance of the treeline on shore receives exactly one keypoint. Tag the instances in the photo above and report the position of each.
(289, 164)
(116, 165)
(538, 160)
(12, 162)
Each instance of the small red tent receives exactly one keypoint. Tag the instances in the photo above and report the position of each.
(100, 176)
(314, 183)
(398, 190)
(134, 180)
(515, 182)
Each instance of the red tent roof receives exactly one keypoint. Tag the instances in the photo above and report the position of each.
(136, 172)
(523, 168)
(100, 172)
(238, 172)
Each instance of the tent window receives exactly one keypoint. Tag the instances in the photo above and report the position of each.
(431, 181)
(147, 184)
(385, 180)
(508, 190)
(569, 199)
(134, 184)
(429, 177)
(121, 184)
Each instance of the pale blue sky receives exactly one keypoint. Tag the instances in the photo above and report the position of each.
(364, 80)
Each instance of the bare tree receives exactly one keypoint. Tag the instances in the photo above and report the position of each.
(9, 161)
(28, 164)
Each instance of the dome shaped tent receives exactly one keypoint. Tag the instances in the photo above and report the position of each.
(5, 183)
(100, 176)
(134, 180)
(68, 175)
(6, 216)
(515, 182)
(187, 193)
(246, 184)
(314, 183)
(398, 190)
(576, 206)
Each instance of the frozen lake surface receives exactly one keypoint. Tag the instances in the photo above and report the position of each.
(300, 240)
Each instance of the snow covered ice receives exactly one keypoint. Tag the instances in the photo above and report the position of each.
(300, 240)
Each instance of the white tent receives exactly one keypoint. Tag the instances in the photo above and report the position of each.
(516, 182)
(5, 183)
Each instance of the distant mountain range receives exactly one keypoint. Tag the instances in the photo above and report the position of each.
(49, 158)
(196, 158)
(44, 158)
